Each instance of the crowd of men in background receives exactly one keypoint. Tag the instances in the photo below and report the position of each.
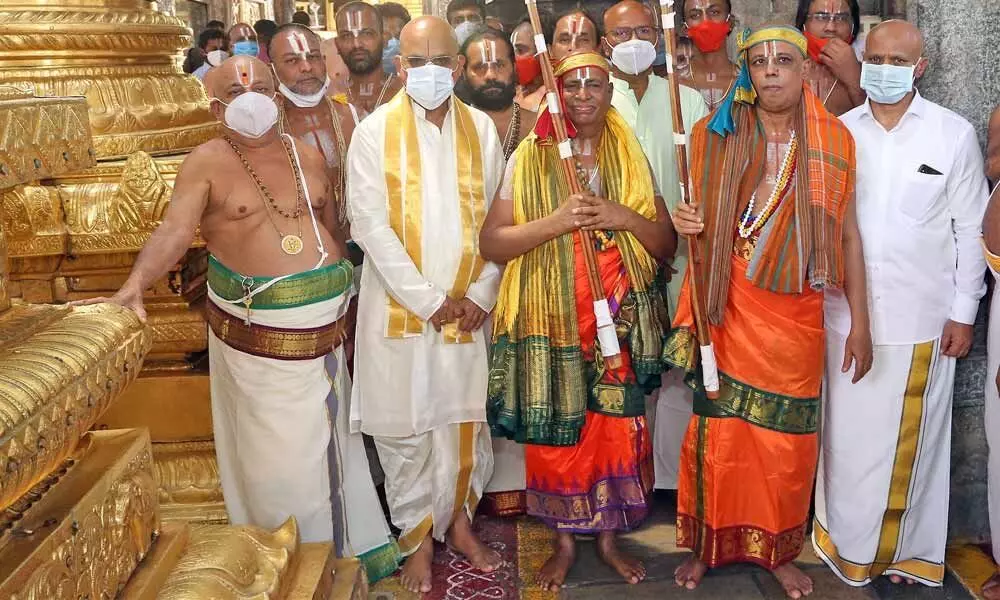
(840, 217)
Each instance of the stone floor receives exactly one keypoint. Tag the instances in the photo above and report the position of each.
(590, 579)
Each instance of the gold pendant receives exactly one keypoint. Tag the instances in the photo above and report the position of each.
(291, 244)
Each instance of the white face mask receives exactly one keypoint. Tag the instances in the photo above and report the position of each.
(429, 85)
(304, 100)
(634, 56)
(464, 30)
(216, 57)
(251, 114)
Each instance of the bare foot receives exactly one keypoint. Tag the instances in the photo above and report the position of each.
(553, 573)
(416, 573)
(463, 540)
(628, 567)
(899, 580)
(796, 583)
(690, 573)
(991, 589)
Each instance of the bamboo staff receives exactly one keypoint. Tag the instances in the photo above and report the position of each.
(607, 337)
(710, 371)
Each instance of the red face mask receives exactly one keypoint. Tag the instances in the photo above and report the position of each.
(708, 36)
(527, 68)
(815, 45)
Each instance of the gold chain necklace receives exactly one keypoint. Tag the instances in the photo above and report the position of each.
(290, 244)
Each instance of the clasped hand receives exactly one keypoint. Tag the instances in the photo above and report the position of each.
(588, 212)
(466, 312)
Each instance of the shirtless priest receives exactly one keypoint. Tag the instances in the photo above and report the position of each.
(309, 113)
(277, 291)
(421, 172)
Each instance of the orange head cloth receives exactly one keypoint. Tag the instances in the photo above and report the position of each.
(543, 127)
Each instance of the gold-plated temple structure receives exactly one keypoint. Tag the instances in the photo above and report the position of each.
(106, 453)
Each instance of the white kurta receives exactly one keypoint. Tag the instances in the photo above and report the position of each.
(883, 482)
(404, 387)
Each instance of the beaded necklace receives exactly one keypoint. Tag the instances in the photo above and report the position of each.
(749, 224)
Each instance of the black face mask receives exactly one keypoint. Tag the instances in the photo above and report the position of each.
(493, 95)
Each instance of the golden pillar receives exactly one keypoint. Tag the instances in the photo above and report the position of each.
(95, 117)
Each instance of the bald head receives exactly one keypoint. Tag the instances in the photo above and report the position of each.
(625, 21)
(240, 32)
(627, 10)
(902, 36)
(236, 75)
(428, 37)
(896, 43)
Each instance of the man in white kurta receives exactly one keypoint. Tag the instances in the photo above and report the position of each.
(420, 180)
(883, 482)
(643, 100)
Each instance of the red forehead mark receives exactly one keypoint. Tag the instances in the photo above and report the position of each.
(244, 74)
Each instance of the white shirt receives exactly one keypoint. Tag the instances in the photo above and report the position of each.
(409, 386)
(920, 231)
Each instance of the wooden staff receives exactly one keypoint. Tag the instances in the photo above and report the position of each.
(710, 371)
(607, 337)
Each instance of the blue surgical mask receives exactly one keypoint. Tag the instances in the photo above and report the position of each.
(886, 84)
(246, 48)
(389, 52)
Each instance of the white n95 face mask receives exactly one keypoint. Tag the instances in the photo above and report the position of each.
(429, 85)
(634, 56)
(251, 114)
(304, 100)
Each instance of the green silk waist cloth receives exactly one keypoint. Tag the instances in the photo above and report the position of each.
(301, 289)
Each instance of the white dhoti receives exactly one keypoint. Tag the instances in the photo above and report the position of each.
(673, 412)
(281, 419)
(432, 476)
(883, 481)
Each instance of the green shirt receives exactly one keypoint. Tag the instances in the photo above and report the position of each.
(652, 122)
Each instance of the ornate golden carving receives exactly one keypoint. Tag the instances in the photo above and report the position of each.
(122, 58)
(42, 137)
(235, 562)
(187, 473)
(59, 369)
(90, 550)
(32, 219)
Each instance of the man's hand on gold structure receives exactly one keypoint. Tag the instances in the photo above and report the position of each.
(470, 316)
(858, 351)
(687, 219)
(127, 297)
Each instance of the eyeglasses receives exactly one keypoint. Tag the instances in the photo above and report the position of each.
(841, 18)
(644, 32)
(422, 61)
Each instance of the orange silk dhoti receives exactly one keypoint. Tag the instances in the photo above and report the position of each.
(749, 458)
(603, 482)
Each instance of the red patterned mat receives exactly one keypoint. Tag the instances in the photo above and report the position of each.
(520, 542)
